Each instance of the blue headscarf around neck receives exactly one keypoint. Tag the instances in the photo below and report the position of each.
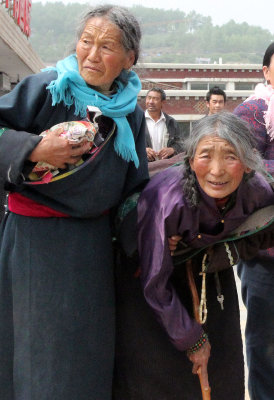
(71, 89)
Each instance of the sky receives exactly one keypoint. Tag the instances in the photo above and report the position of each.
(221, 11)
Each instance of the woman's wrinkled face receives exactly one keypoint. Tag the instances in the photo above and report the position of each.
(269, 72)
(218, 169)
(100, 53)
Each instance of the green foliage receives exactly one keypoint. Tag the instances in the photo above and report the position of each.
(53, 29)
(168, 35)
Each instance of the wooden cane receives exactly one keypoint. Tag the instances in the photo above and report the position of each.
(196, 302)
(193, 289)
(205, 390)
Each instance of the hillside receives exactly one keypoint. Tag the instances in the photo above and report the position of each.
(168, 35)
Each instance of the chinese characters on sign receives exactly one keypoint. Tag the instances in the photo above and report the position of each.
(20, 12)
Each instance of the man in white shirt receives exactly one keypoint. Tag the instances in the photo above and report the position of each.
(163, 137)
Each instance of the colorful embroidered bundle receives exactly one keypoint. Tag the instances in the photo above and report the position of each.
(75, 132)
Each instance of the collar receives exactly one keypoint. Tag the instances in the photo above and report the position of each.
(162, 117)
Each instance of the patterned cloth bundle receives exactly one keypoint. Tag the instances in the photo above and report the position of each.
(75, 132)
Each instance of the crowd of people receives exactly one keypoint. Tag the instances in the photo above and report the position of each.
(116, 278)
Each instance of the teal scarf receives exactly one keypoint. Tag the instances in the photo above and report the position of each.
(71, 88)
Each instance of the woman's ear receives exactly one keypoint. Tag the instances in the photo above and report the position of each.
(248, 170)
(191, 163)
(266, 73)
(129, 60)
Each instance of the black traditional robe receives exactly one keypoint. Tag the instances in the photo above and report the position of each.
(56, 284)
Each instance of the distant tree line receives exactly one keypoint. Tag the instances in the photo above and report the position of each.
(168, 35)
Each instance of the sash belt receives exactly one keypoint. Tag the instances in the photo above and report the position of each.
(19, 204)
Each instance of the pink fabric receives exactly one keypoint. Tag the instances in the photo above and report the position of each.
(267, 94)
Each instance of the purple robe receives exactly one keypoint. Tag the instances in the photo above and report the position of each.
(162, 212)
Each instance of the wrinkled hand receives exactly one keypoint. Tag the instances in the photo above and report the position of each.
(173, 242)
(200, 360)
(58, 151)
(166, 152)
(151, 154)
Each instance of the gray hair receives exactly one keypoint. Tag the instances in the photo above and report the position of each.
(123, 19)
(157, 90)
(235, 131)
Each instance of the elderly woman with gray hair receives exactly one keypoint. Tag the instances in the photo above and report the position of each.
(57, 305)
(209, 201)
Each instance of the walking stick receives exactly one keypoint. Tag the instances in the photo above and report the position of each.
(196, 305)
(193, 289)
(205, 390)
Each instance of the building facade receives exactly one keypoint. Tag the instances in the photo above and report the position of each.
(18, 59)
(186, 86)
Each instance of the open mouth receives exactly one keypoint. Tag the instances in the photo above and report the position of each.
(217, 183)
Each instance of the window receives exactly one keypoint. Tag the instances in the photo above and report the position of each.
(199, 86)
(206, 85)
(245, 85)
(220, 85)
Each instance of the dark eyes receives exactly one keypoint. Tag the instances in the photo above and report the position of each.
(232, 157)
(204, 156)
(104, 47)
(86, 41)
(228, 157)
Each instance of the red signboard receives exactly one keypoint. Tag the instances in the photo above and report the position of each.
(20, 11)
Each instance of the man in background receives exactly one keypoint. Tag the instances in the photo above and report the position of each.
(164, 138)
(215, 100)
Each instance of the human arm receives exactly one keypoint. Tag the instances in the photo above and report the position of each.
(200, 360)
(159, 212)
(24, 114)
(200, 357)
(136, 178)
(125, 216)
(17, 110)
(57, 151)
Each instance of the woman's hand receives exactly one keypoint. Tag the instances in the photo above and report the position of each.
(200, 360)
(172, 243)
(58, 151)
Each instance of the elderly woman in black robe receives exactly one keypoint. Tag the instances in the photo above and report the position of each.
(57, 305)
(162, 345)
